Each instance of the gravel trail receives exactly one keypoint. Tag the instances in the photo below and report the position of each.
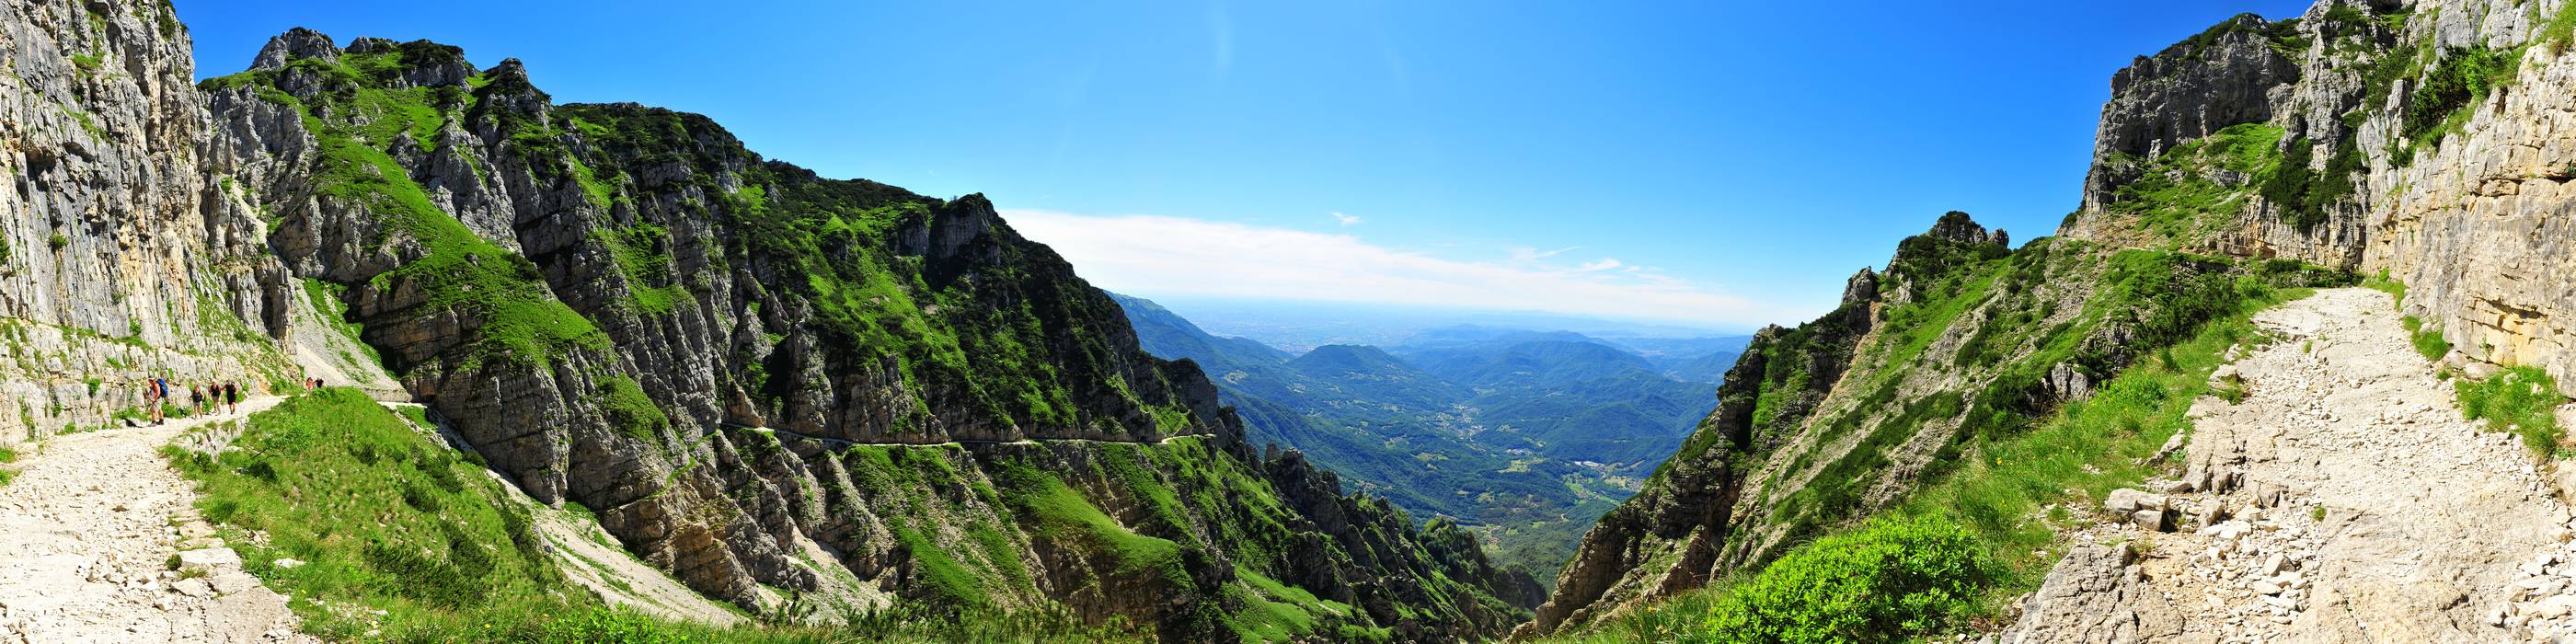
(2344, 499)
(87, 531)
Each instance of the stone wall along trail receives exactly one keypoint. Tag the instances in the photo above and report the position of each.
(86, 533)
(2343, 500)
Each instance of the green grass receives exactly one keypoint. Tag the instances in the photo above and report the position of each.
(630, 411)
(389, 519)
(2427, 340)
(2178, 196)
(1059, 512)
(7, 455)
(2521, 401)
(386, 518)
(418, 415)
(642, 253)
(1992, 494)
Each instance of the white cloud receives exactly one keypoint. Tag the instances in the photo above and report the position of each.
(1345, 219)
(1182, 256)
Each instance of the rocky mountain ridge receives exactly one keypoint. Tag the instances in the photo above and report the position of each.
(807, 397)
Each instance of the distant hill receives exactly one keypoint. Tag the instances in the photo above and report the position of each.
(1512, 361)
(1709, 368)
(1523, 436)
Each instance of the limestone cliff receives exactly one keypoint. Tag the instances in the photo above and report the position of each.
(2427, 140)
(118, 260)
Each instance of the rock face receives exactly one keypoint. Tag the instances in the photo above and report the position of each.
(118, 260)
(2461, 198)
(760, 379)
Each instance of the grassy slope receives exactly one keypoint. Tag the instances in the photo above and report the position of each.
(1996, 498)
(390, 519)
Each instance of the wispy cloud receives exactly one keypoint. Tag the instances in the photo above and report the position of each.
(1183, 256)
(1346, 220)
(1527, 254)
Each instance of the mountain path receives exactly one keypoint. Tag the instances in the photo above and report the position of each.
(2344, 499)
(87, 529)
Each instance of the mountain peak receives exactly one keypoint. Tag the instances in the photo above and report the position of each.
(1348, 358)
(1959, 227)
(294, 44)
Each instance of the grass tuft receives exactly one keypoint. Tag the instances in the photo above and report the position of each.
(2522, 401)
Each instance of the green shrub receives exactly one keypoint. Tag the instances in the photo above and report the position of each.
(2462, 77)
(2520, 400)
(1890, 580)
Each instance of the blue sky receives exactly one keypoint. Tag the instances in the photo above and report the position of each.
(1719, 163)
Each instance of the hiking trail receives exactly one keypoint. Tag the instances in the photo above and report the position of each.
(89, 527)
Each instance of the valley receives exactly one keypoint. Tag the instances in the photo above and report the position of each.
(1521, 437)
(515, 369)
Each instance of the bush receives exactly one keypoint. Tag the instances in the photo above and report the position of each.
(2521, 400)
(2463, 76)
(1890, 580)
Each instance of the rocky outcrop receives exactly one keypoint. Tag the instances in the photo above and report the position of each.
(2096, 596)
(2460, 205)
(2220, 77)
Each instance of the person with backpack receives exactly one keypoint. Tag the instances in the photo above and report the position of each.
(152, 398)
(232, 398)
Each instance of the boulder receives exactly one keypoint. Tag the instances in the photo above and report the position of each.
(2126, 501)
(2094, 595)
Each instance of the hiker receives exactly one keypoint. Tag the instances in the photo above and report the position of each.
(152, 393)
(196, 399)
(232, 398)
